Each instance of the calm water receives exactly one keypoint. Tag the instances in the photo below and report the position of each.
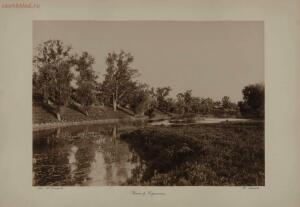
(85, 155)
(88, 155)
(201, 121)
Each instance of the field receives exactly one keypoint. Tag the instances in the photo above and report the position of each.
(208, 155)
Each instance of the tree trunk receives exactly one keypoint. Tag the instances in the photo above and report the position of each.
(114, 135)
(115, 104)
(58, 133)
(58, 112)
(58, 116)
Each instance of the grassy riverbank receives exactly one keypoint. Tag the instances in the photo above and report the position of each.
(207, 154)
(42, 115)
(45, 119)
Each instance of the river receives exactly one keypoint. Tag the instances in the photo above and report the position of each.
(199, 121)
(91, 155)
(82, 155)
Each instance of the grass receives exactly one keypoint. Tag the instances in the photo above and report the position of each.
(41, 115)
(206, 154)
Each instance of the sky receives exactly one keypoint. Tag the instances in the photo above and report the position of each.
(213, 59)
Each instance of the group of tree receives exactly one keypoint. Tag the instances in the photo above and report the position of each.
(63, 78)
(186, 103)
(253, 103)
(55, 69)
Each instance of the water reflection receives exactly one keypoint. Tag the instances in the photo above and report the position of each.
(85, 155)
(197, 121)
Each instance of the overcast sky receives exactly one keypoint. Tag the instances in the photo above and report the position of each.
(213, 59)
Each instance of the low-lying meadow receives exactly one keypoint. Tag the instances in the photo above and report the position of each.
(206, 154)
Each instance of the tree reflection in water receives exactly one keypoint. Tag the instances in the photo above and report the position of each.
(85, 155)
(51, 166)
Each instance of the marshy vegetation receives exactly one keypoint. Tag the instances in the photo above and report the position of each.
(207, 154)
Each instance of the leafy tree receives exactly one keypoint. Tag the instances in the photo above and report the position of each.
(184, 101)
(170, 105)
(226, 103)
(161, 95)
(99, 94)
(142, 103)
(188, 100)
(52, 76)
(196, 105)
(207, 105)
(180, 104)
(143, 100)
(118, 81)
(253, 100)
(37, 97)
(217, 103)
(244, 108)
(86, 85)
(151, 102)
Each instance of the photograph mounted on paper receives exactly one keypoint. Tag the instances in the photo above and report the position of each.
(148, 103)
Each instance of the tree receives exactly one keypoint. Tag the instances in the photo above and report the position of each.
(180, 103)
(188, 98)
(184, 101)
(118, 80)
(85, 92)
(161, 95)
(142, 102)
(226, 103)
(52, 76)
(170, 105)
(151, 100)
(207, 105)
(253, 100)
(196, 105)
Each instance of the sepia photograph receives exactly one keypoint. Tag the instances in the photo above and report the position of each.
(148, 103)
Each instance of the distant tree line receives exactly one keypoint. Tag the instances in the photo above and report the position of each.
(64, 78)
